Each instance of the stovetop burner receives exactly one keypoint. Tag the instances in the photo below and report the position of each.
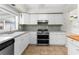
(42, 37)
(42, 32)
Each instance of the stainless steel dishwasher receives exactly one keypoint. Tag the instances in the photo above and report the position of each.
(7, 48)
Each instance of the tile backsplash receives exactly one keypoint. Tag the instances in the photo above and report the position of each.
(35, 27)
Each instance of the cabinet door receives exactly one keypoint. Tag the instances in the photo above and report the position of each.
(24, 18)
(33, 38)
(58, 18)
(73, 49)
(33, 18)
(26, 39)
(18, 45)
(55, 19)
(21, 43)
(59, 39)
(51, 38)
(51, 18)
(73, 41)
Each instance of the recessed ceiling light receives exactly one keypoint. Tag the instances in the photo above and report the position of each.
(13, 4)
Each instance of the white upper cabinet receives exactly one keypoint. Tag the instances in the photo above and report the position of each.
(58, 18)
(33, 18)
(24, 18)
(51, 19)
(28, 18)
(55, 18)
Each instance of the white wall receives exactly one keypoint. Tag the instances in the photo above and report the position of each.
(71, 27)
(63, 28)
(76, 23)
(69, 7)
(66, 22)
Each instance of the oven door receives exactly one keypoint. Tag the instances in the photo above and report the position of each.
(43, 41)
(42, 36)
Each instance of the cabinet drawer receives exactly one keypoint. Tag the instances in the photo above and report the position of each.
(43, 41)
(52, 41)
(72, 52)
(72, 49)
(73, 41)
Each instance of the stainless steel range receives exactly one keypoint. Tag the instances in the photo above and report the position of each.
(42, 33)
(43, 37)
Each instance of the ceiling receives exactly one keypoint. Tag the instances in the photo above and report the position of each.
(3, 13)
(43, 8)
(5, 9)
(37, 8)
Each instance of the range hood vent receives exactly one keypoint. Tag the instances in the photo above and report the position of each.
(43, 21)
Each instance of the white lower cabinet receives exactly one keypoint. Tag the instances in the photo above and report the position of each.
(21, 43)
(54, 38)
(57, 39)
(51, 38)
(60, 39)
(73, 49)
(33, 38)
